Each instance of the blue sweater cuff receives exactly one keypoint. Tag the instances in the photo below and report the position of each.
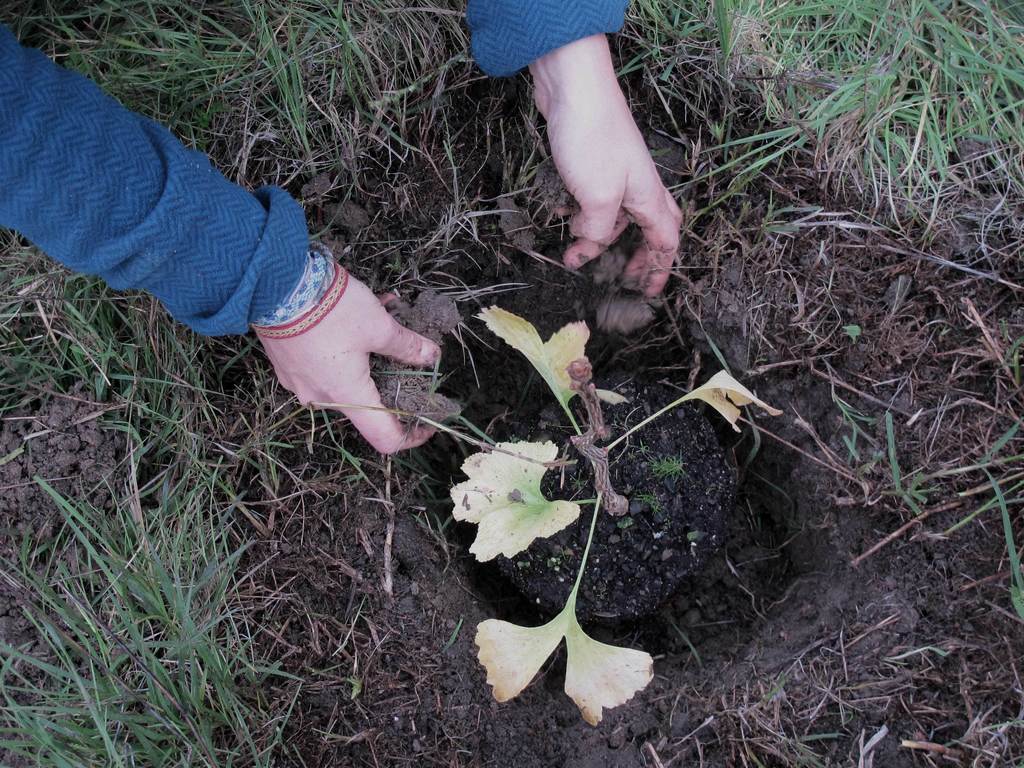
(508, 35)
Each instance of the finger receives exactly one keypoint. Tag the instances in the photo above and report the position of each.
(596, 217)
(401, 344)
(659, 218)
(584, 250)
(580, 252)
(648, 271)
(381, 428)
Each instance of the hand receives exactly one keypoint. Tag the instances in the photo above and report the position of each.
(329, 364)
(604, 162)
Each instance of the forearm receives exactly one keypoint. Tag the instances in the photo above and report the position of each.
(110, 193)
(510, 34)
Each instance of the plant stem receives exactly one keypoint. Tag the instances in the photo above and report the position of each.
(646, 421)
(491, 446)
(572, 419)
(586, 554)
(581, 374)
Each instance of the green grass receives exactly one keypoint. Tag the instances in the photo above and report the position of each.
(146, 655)
(149, 657)
(274, 90)
(145, 658)
(913, 100)
(914, 107)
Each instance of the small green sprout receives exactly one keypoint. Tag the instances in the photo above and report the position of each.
(651, 501)
(625, 523)
(668, 466)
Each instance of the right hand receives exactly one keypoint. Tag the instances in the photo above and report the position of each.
(604, 162)
(329, 365)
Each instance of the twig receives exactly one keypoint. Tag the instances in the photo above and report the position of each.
(388, 581)
(994, 349)
(929, 746)
(832, 379)
(952, 504)
(649, 749)
(581, 374)
(837, 469)
(987, 580)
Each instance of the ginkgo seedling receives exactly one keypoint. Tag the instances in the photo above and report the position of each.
(503, 497)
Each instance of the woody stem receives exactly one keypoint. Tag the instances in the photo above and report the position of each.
(581, 374)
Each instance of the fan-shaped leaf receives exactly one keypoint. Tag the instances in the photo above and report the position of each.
(550, 357)
(503, 497)
(598, 676)
(723, 393)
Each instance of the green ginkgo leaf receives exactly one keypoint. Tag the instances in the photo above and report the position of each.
(551, 357)
(503, 497)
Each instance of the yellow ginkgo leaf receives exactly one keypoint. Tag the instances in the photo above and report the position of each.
(723, 393)
(513, 655)
(503, 497)
(550, 357)
(598, 676)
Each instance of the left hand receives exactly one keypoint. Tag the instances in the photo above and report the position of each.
(604, 162)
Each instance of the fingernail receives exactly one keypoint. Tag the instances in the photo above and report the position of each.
(430, 352)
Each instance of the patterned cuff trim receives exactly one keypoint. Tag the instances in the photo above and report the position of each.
(309, 319)
(310, 289)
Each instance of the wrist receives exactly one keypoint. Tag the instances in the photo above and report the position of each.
(319, 289)
(580, 70)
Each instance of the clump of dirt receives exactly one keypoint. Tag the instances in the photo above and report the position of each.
(549, 190)
(405, 389)
(431, 314)
(348, 215)
(515, 224)
(624, 314)
(680, 489)
(317, 188)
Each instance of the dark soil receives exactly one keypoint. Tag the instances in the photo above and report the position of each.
(414, 394)
(681, 492)
(776, 647)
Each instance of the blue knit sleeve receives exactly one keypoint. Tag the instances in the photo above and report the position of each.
(509, 34)
(110, 193)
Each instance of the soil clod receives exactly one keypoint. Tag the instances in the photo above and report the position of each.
(682, 514)
(411, 392)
